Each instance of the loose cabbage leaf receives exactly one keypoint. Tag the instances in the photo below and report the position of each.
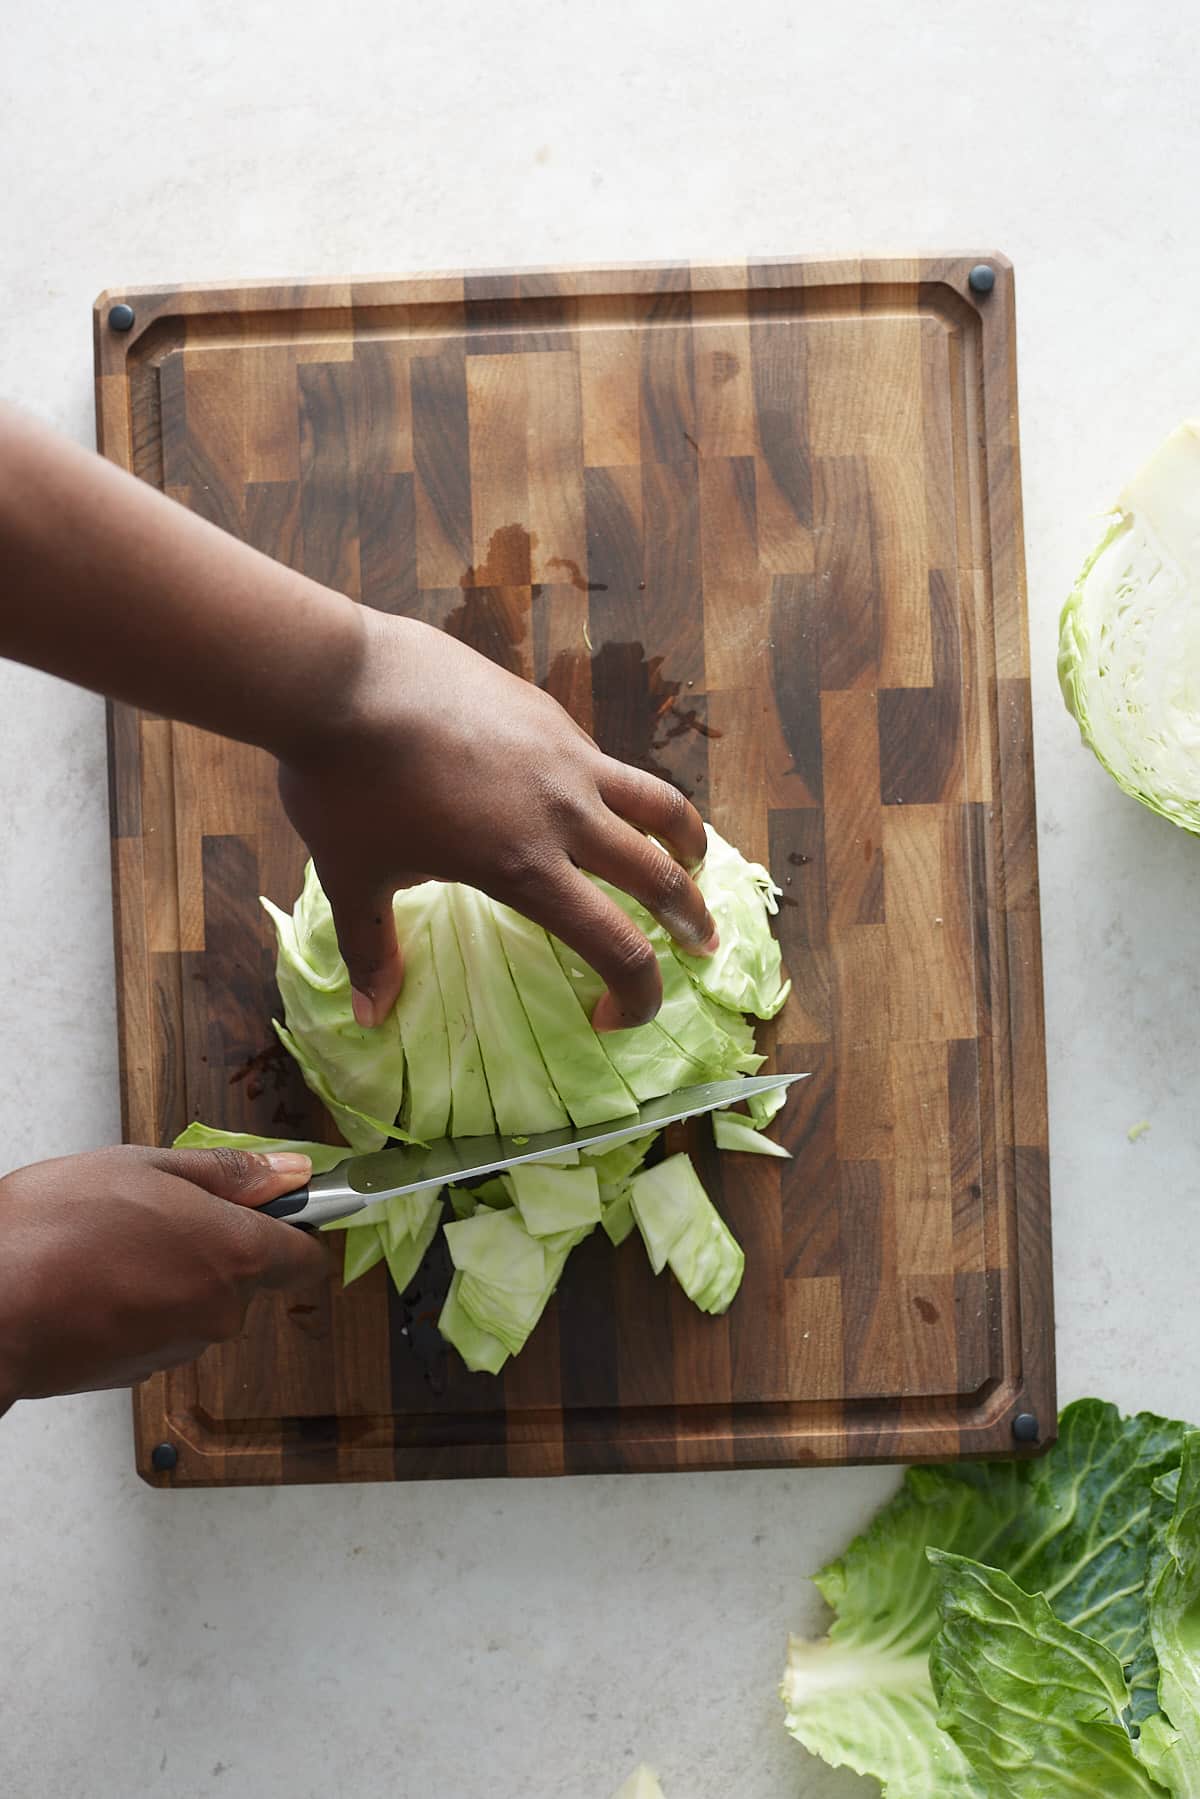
(1171, 1745)
(357, 1074)
(861, 1696)
(1035, 1706)
(1078, 1525)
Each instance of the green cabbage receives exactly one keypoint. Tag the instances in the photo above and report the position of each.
(492, 1031)
(1002, 1654)
(353, 1072)
(1020, 1630)
(366, 1244)
(550, 1200)
(523, 1096)
(732, 1131)
(1129, 638)
(482, 1353)
(471, 1113)
(587, 1084)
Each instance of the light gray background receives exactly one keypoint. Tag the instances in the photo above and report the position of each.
(532, 1640)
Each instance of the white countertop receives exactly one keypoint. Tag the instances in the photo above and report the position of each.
(530, 1640)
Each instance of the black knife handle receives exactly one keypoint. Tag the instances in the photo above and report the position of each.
(286, 1207)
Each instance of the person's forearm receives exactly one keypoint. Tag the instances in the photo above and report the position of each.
(106, 583)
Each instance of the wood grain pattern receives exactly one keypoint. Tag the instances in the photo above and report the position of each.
(759, 528)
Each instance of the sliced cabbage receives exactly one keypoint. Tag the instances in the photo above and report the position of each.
(732, 1131)
(357, 1075)
(523, 1097)
(366, 1244)
(550, 1200)
(482, 1353)
(471, 1112)
(406, 1242)
(587, 1083)
(1129, 637)
(642, 1784)
(682, 1228)
(420, 1015)
(616, 1218)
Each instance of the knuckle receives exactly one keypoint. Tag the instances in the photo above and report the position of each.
(633, 955)
(521, 868)
(672, 886)
(565, 808)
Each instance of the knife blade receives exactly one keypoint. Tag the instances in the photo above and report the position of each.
(362, 1181)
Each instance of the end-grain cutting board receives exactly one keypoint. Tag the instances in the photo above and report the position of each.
(759, 528)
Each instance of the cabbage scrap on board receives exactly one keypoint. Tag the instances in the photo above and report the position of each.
(1129, 637)
(492, 1031)
(642, 1784)
(1018, 1630)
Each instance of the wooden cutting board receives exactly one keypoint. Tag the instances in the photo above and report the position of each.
(759, 528)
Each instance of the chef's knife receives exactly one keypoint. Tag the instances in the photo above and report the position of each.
(408, 1167)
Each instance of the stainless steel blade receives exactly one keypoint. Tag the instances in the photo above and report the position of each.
(411, 1167)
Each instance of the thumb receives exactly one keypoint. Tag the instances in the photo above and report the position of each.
(244, 1177)
(366, 934)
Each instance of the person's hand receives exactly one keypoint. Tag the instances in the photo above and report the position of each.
(403, 754)
(442, 765)
(124, 1261)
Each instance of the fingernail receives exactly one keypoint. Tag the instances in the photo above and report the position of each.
(287, 1162)
(712, 946)
(364, 1009)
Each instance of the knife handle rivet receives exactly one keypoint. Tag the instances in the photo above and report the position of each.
(982, 278)
(163, 1457)
(120, 317)
(1025, 1427)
